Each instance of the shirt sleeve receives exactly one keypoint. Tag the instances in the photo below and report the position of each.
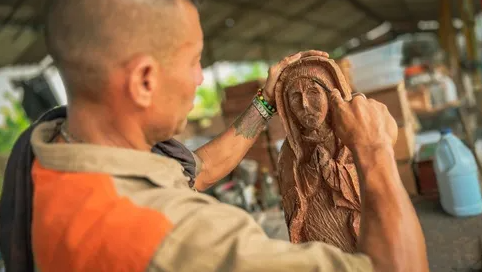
(212, 236)
(198, 163)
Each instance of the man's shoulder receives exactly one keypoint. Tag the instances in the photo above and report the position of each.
(80, 219)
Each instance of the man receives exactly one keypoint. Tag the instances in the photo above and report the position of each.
(104, 202)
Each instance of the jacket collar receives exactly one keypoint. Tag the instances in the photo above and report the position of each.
(119, 162)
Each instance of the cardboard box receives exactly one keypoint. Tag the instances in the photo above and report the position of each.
(424, 170)
(419, 99)
(407, 176)
(212, 127)
(236, 106)
(243, 90)
(237, 98)
(405, 146)
(395, 98)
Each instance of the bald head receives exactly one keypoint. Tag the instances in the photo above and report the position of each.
(87, 38)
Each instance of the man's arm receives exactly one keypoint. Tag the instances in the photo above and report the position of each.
(225, 152)
(209, 236)
(390, 231)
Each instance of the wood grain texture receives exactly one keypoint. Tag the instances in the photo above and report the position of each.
(317, 175)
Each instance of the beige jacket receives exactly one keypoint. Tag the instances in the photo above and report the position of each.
(101, 208)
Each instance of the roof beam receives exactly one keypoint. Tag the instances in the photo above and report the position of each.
(218, 29)
(297, 16)
(389, 36)
(34, 52)
(280, 27)
(16, 6)
(351, 29)
(258, 6)
(259, 42)
(407, 9)
(365, 9)
(24, 23)
(350, 32)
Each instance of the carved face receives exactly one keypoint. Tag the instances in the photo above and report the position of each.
(308, 102)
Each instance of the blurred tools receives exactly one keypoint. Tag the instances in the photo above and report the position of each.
(269, 194)
(240, 190)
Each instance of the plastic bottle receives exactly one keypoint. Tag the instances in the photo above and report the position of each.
(457, 177)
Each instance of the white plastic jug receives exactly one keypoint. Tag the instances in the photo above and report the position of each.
(457, 177)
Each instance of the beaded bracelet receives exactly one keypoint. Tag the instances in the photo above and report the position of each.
(259, 96)
(261, 109)
(264, 108)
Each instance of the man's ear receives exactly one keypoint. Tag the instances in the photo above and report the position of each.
(143, 80)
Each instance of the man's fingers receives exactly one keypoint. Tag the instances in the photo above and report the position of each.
(358, 99)
(392, 129)
(314, 53)
(296, 57)
(336, 98)
(353, 95)
(275, 71)
(289, 60)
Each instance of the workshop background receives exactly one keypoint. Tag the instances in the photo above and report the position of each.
(421, 58)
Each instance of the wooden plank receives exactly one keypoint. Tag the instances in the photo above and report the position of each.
(407, 176)
(395, 98)
(405, 145)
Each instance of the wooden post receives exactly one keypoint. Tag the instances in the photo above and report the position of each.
(447, 36)
(467, 13)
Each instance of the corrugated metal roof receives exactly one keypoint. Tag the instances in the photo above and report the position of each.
(238, 30)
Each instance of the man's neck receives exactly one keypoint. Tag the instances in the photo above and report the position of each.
(95, 124)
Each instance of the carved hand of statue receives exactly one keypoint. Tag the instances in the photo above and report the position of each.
(362, 123)
(321, 156)
(276, 70)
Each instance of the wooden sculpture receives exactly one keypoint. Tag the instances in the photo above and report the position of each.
(317, 176)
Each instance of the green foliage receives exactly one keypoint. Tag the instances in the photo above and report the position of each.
(15, 122)
(230, 81)
(254, 71)
(209, 101)
(258, 71)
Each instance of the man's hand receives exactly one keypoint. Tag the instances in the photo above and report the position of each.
(362, 123)
(390, 232)
(276, 70)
